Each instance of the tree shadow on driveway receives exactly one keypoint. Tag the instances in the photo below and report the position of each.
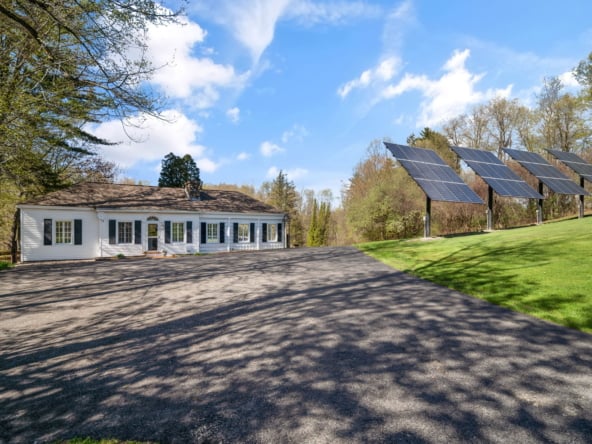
(310, 345)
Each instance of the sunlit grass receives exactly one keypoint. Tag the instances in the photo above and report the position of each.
(544, 271)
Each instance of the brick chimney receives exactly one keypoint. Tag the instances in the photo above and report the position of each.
(193, 189)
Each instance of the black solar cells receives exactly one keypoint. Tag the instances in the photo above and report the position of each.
(575, 162)
(437, 180)
(495, 173)
(536, 165)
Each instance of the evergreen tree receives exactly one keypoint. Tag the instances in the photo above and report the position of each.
(312, 236)
(177, 171)
(324, 222)
(282, 194)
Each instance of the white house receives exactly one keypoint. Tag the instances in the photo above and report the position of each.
(94, 220)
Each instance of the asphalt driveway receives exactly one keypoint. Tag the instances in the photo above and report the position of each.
(318, 345)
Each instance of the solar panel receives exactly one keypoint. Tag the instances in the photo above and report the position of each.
(536, 165)
(495, 173)
(437, 180)
(575, 162)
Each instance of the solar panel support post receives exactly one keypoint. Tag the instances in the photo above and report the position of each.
(427, 218)
(489, 208)
(582, 184)
(540, 205)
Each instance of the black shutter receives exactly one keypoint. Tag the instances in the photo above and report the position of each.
(235, 232)
(222, 239)
(112, 231)
(167, 231)
(137, 231)
(47, 231)
(279, 239)
(264, 235)
(189, 232)
(77, 231)
(203, 233)
(252, 232)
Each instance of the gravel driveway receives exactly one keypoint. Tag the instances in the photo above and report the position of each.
(307, 345)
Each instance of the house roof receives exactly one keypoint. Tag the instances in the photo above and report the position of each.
(107, 196)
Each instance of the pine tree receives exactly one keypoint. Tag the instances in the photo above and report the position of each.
(312, 237)
(177, 171)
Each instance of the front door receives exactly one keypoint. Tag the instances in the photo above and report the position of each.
(152, 237)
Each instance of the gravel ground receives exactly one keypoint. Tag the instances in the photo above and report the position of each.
(308, 345)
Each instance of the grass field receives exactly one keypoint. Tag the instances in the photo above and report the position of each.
(544, 271)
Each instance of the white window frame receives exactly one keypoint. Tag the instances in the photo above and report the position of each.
(61, 235)
(176, 236)
(213, 235)
(272, 228)
(244, 233)
(120, 233)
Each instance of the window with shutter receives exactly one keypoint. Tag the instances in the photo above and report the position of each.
(212, 236)
(222, 233)
(252, 232)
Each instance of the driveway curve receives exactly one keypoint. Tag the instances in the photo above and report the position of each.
(310, 345)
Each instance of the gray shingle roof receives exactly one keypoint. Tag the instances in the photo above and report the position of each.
(141, 197)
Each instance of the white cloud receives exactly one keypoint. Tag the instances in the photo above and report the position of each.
(292, 174)
(309, 13)
(206, 165)
(397, 22)
(152, 139)
(268, 149)
(448, 96)
(383, 72)
(233, 114)
(181, 74)
(253, 22)
(297, 132)
(243, 156)
(568, 80)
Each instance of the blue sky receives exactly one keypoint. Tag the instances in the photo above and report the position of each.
(303, 86)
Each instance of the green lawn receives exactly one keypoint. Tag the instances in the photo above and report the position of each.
(544, 271)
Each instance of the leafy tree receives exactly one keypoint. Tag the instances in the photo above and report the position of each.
(438, 142)
(177, 171)
(318, 229)
(562, 122)
(282, 194)
(378, 196)
(313, 234)
(503, 117)
(64, 65)
(583, 73)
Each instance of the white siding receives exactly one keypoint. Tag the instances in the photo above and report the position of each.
(32, 248)
(133, 249)
(95, 228)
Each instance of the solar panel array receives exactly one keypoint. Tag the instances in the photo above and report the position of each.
(536, 165)
(575, 162)
(495, 173)
(437, 180)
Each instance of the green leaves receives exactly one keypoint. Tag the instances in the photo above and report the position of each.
(177, 171)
